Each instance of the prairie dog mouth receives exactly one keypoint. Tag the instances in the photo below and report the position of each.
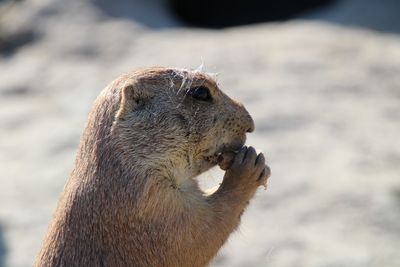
(218, 156)
(214, 159)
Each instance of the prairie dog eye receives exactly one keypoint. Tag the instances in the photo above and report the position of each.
(201, 93)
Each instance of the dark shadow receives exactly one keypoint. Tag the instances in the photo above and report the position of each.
(10, 43)
(3, 248)
(227, 13)
(380, 15)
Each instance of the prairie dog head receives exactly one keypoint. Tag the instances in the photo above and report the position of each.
(177, 120)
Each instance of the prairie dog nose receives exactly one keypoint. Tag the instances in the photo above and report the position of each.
(243, 121)
(248, 121)
(251, 125)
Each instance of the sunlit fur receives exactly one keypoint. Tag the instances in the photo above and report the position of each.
(131, 199)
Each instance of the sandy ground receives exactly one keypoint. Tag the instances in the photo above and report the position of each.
(325, 99)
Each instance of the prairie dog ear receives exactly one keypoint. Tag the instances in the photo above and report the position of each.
(133, 94)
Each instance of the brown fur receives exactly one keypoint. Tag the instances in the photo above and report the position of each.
(131, 199)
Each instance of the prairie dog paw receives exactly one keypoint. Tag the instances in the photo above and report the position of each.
(246, 169)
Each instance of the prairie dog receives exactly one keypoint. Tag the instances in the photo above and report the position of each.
(132, 198)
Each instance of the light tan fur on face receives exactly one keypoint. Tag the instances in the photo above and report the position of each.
(132, 199)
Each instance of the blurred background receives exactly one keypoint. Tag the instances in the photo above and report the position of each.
(320, 78)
